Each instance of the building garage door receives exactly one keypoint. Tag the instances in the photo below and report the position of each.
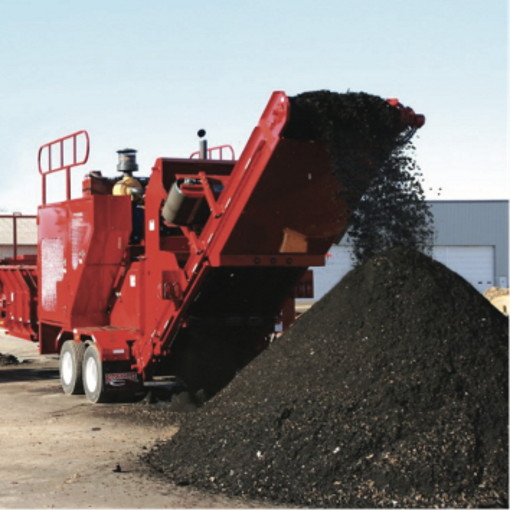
(338, 264)
(474, 263)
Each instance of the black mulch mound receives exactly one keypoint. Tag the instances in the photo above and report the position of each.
(8, 359)
(392, 391)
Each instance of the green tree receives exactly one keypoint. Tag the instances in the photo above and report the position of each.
(393, 211)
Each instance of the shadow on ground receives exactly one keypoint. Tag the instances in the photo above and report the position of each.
(23, 372)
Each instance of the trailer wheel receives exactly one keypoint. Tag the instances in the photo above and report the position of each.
(93, 381)
(70, 367)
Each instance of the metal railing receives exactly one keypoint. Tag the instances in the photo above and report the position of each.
(213, 150)
(65, 160)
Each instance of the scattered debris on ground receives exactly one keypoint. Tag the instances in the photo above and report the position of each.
(175, 400)
(392, 391)
(8, 359)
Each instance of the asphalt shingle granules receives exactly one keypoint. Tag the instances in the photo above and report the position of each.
(392, 391)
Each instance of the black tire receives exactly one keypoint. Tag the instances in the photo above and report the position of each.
(70, 367)
(93, 379)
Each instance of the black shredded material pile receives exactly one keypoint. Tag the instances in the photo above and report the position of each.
(392, 391)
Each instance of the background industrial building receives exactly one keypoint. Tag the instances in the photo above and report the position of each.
(17, 230)
(471, 238)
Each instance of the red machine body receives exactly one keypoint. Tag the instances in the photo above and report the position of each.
(18, 287)
(193, 279)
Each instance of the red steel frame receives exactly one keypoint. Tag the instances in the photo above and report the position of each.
(141, 328)
(18, 294)
(206, 250)
(18, 288)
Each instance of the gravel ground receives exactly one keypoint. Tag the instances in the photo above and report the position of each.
(392, 391)
(61, 451)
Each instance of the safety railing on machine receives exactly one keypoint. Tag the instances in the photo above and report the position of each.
(64, 160)
(216, 151)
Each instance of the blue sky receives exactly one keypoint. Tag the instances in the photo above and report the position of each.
(148, 74)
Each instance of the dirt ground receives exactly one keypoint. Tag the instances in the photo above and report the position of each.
(62, 452)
